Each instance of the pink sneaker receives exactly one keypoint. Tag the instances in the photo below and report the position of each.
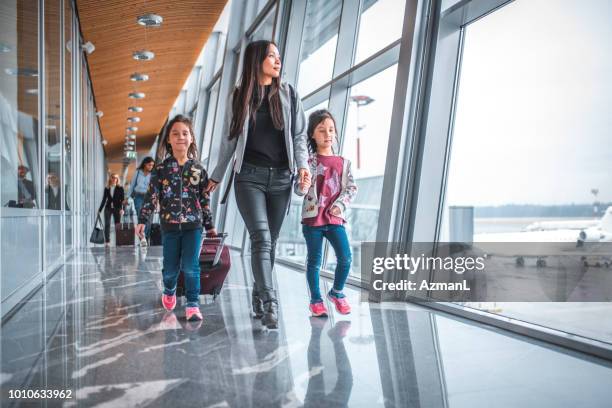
(193, 313)
(169, 302)
(318, 309)
(342, 305)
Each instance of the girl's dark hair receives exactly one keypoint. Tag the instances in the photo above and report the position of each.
(249, 94)
(145, 161)
(314, 119)
(165, 149)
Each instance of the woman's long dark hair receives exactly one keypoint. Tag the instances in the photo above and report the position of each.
(314, 119)
(145, 161)
(249, 94)
(165, 149)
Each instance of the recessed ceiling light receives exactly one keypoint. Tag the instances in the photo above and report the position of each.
(136, 95)
(130, 143)
(143, 55)
(26, 72)
(32, 91)
(132, 129)
(135, 109)
(133, 119)
(139, 77)
(104, 142)
(131, 137)
(150, 20)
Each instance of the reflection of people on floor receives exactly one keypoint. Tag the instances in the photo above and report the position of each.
(315, 392)
(53, 192)
(26, 194)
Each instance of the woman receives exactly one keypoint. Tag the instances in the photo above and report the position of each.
(112, 203)
(138, 188)
(267, 136)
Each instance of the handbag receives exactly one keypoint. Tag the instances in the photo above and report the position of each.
(97, 235)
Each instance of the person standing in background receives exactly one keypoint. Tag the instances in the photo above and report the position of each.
(138, 189)
(112, 204)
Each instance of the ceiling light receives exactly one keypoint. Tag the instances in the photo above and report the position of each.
(104, 142)
(150, 20)
(132, 129)
(133, 119)
(32, 91)
(143, 55)
(135, 109)
(130, 143)
(99, 114)
(26, 72)
(5, 48)
(136, 95)
(132, 137)
(88, 47)
(139, 77)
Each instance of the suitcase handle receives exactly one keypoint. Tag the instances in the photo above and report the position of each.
(220, 238)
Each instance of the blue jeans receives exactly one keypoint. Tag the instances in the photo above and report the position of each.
(138, 203)
(336, 235)
(182, 252)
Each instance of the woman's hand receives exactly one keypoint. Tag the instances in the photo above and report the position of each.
(211, 233)
(139, 230)
(211, 186)
(121, 212)
(335, 211)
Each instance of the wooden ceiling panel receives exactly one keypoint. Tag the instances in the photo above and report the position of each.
(111, 26)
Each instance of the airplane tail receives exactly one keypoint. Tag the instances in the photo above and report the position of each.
(606, 220)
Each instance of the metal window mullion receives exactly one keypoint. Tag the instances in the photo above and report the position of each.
(62, 130)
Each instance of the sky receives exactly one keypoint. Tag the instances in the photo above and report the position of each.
(532, 123)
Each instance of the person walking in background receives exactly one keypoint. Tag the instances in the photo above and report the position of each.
(178, 185)
(138, 189)
(323, 211)
(112, 204)
(266, 129)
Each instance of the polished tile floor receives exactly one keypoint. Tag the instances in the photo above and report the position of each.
(98, 329)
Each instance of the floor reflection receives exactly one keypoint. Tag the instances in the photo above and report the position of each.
(103, 334)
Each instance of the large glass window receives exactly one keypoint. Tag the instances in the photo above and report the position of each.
(364, 143)
(265, 31)
(53, 153)
(213, 96)
(319, 38)
(380, 24)
(528, 156)
(19, 104)
(68, 118)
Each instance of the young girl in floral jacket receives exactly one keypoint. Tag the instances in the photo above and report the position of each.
(178, 185)
(326, 199)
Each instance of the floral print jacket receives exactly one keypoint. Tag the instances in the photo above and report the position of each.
(180, 193)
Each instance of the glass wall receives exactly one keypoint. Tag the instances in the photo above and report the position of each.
(43, 100)
(318, 44)
(525, 103)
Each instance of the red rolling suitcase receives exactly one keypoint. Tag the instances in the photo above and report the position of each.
(214, 266)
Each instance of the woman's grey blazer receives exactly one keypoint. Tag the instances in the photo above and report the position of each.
(295, 138)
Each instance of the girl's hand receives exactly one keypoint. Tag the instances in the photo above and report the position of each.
(303, 176)
(139, 230)
(335, 211)
(211, 186)
(304, 186)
